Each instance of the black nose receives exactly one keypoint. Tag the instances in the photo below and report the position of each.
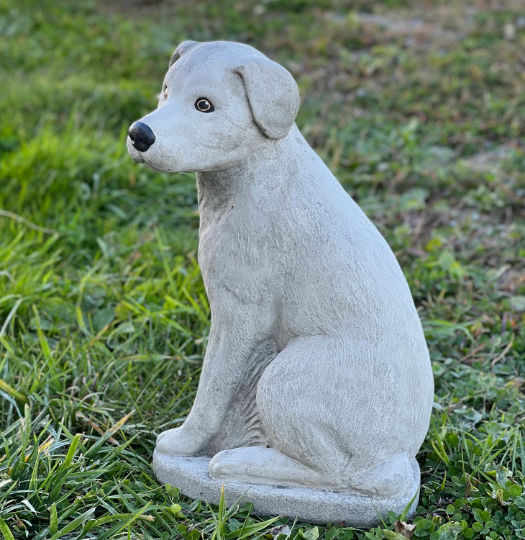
(141, 136)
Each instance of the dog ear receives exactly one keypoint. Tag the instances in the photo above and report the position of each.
(181, 49)
(272, 93)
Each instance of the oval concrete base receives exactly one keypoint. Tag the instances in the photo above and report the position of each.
(190, 475)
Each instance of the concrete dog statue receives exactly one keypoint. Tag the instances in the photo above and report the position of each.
(316, 374)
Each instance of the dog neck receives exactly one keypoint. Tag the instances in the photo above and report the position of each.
(219, 189)
(265, 170)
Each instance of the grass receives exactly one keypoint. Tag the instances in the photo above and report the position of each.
(418, 110)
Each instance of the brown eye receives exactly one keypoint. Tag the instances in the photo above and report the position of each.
(204, 105)
(165, 93)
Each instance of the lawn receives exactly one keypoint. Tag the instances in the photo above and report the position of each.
(419, 110)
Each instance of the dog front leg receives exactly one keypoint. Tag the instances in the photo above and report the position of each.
(235, 358)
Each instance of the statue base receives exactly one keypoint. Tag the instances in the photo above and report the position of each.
(190, 475)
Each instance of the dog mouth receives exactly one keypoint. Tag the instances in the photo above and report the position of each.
(134, 153)
(138, 157)
(151, 166)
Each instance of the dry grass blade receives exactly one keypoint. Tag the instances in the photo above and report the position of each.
(80, 416)
(505, 351)
(112, 430)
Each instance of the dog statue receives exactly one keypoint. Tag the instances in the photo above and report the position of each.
(316, 375)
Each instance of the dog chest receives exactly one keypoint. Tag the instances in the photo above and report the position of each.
(237, 258)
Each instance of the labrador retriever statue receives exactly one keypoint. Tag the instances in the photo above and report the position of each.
(316, 374)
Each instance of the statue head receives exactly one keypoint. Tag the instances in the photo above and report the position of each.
(220, 102)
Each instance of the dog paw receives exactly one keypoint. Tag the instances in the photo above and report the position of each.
(177, 442)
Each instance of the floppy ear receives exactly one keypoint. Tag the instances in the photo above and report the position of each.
(181, 49)
(272, 93)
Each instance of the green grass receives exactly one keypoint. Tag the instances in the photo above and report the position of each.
(103, 314)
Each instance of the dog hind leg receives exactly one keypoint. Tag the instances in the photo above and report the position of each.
(340, 439)
(261, 465)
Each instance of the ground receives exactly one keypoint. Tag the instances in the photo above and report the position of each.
(417, 107)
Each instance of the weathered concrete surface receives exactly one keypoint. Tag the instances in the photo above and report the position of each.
(316, 373)
(190, 474)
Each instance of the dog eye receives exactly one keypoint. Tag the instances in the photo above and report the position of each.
(165, 93)
(204, 105)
